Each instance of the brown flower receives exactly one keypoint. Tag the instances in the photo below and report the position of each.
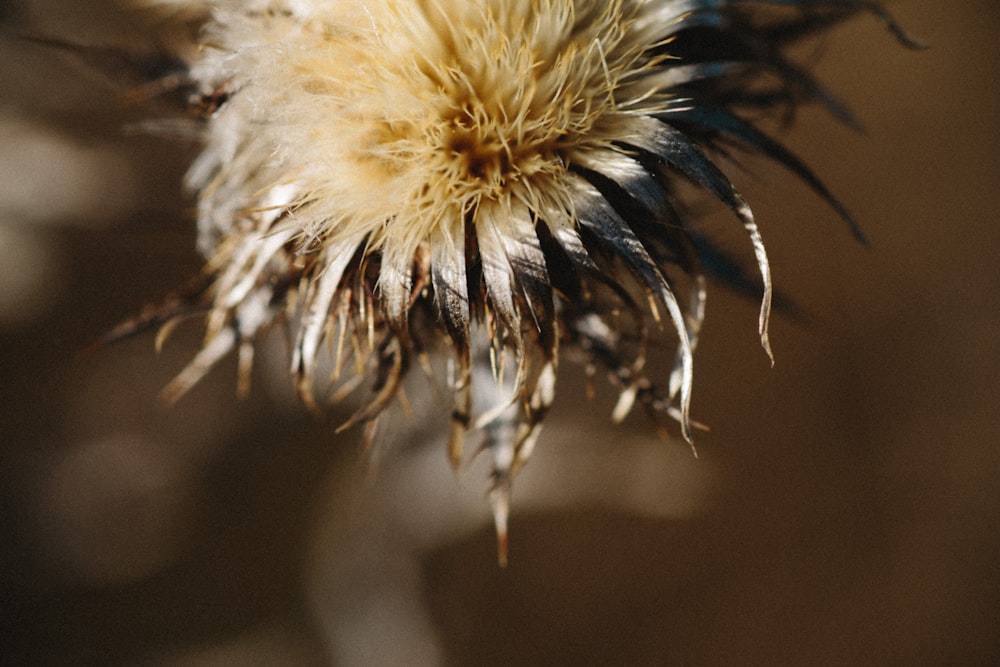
(492, 178)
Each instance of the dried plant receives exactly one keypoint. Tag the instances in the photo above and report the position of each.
(495, 179)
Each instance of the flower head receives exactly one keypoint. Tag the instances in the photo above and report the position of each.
(491, 178)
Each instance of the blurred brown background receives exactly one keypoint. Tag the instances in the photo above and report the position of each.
(845, 508)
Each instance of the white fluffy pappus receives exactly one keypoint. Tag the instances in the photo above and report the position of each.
(496, 178)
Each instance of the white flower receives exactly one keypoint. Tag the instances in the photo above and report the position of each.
(494, 177)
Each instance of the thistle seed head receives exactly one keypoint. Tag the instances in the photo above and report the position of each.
(489, 178)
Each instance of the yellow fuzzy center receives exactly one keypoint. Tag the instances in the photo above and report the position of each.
(421, 112)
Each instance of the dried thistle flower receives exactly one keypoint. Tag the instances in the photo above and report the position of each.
(494, 178)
